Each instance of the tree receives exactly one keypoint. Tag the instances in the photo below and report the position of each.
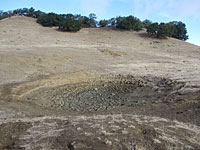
(25, 11)
(112, 22)
(5, 14)
(10, 13)
(129, 23)
(93, 16)
(17, 12)
(163, 31)
(84, 21)
(181, 31)
(31, 12)
(93, 22)
(1, 14)
(103, 23)
(138, 25)
(172, 30)
(50, 19)
(38, 13)
(69, 24)
(146, 23)
(152, 28)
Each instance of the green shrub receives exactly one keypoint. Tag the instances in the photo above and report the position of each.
(93, 22)
(103, 23)
(152, 28)
(181, 31)
(69, 24)
(162, 31)
(146, 23)
(73, 23)
(112, 22)
(84, 21)
(129, 23)
(49, 20)
(172, 29)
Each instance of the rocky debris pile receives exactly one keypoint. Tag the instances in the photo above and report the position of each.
(107, 93)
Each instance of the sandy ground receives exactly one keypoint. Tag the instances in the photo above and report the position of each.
(42, 69)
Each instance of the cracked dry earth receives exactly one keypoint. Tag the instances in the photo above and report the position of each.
(97, 89)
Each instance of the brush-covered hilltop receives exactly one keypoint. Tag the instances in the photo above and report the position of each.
(73, 23)
(97, 88)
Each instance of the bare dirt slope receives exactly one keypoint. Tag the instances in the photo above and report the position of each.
(96, 89)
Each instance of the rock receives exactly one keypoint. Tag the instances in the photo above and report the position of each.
(113, 94)
(71, 146)
(107, 142)
(99, 138)
(156, 141)
(79, 128)
(124, 132)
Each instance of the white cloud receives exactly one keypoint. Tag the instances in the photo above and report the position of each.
(99, 7)
(145, 8)
(171, 9)
(190, 8)
(96, 6)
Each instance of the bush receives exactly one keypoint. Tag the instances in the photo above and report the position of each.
(152, 28)
(146, 23)
(84, 21)
(181, 31)
(129, 23)
(49, 20)
(69, 24)
(112, 22)
(172, 29)
(38, 13)
(73, 23)
(163, 31)
(31, 12)
(103, 23)
(93, 22)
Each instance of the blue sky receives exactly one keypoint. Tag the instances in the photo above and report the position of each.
(187, 11)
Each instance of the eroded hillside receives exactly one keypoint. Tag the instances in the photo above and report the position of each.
(96, 89)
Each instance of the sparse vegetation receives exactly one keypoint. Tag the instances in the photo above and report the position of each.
(73, 23)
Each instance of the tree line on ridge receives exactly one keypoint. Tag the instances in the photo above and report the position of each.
(73, 23)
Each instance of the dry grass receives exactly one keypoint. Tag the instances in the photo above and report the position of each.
(113, 53)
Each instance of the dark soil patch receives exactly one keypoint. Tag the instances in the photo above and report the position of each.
(83, 137)
(9, 134)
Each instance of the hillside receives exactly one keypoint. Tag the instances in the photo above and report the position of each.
(54, 83)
